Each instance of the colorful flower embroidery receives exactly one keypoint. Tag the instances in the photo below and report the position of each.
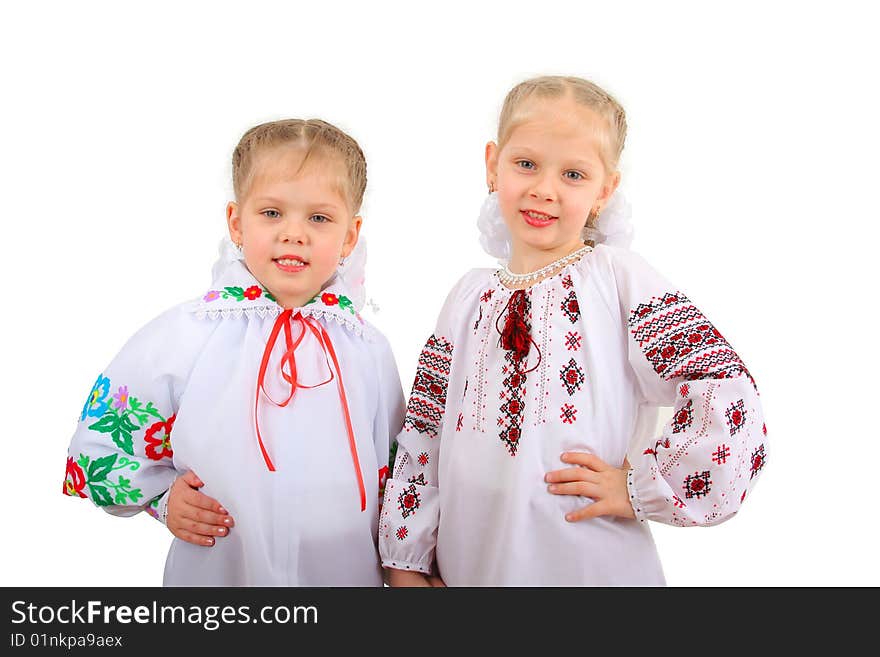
(238, 293)
(120, 399)
(330, 299)
(96, 476)
(124, 417)
(74, 479)
(96, 403)
(401, 532)
(252, 292)
(423, 459)
(158, 439)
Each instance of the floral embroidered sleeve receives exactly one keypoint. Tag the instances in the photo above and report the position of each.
(712, 451)
(120, 456)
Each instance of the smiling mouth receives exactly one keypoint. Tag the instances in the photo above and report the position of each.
(537, 219)
(290, 263)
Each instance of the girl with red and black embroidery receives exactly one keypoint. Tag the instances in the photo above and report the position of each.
(542, 376)
(268, 399)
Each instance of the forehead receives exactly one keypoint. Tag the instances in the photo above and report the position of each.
(319, 175)
(558, 124)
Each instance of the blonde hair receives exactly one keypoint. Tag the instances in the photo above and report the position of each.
(582, 91)
(314, 136)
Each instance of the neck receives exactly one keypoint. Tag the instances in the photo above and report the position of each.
(524, 259)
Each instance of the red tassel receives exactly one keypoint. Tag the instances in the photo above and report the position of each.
(515, 336)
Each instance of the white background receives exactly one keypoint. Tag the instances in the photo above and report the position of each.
(750, 165)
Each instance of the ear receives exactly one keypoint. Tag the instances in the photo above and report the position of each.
(608, 187)
(492, 165)
(351, 235)
(233, 220)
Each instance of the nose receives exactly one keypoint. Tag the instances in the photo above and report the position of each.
(542, 189)
(292, 231)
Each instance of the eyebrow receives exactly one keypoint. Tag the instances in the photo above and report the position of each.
(326, 207)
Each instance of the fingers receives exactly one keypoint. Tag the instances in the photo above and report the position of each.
(202, 501)
(192, 479)
(195, 539)
(585, 459)
(571, 474)
(583, 488)
(591, 511)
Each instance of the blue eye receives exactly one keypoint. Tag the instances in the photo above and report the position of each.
(319, 218)
(574, 175)
(526, 164)
(271, 214)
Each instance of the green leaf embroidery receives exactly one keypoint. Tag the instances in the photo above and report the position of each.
(135, 494)
(127, 425)
(136, 409)
(236, 293)
(268, 295)
(100, 495)
(83, 461)
(152, 410)
(100, 468)
(124, 441)
(108, 422)
(125, 483)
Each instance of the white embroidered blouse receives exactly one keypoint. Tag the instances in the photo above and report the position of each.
(182, 394)
(613, 341)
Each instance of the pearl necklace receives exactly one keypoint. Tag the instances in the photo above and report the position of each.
(512, 280)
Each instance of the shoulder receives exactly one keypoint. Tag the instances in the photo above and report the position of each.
(471, 285)
(175, 325)
(614, 267)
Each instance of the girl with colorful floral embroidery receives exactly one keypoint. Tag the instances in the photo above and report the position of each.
(512, 466)
(268, 399)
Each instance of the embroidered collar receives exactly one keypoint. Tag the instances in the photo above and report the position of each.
(236, 293)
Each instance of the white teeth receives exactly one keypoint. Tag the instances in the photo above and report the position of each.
(535, 215)
(288, 262)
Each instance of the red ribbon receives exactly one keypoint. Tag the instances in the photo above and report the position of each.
(308, 325)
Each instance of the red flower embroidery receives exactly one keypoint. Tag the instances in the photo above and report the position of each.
(159, 446)
(74, 479)
(383, 477)
(329, 299)
(252, 292)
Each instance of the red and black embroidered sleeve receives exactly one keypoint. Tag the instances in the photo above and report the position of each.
(424, 412)
(710, 452)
